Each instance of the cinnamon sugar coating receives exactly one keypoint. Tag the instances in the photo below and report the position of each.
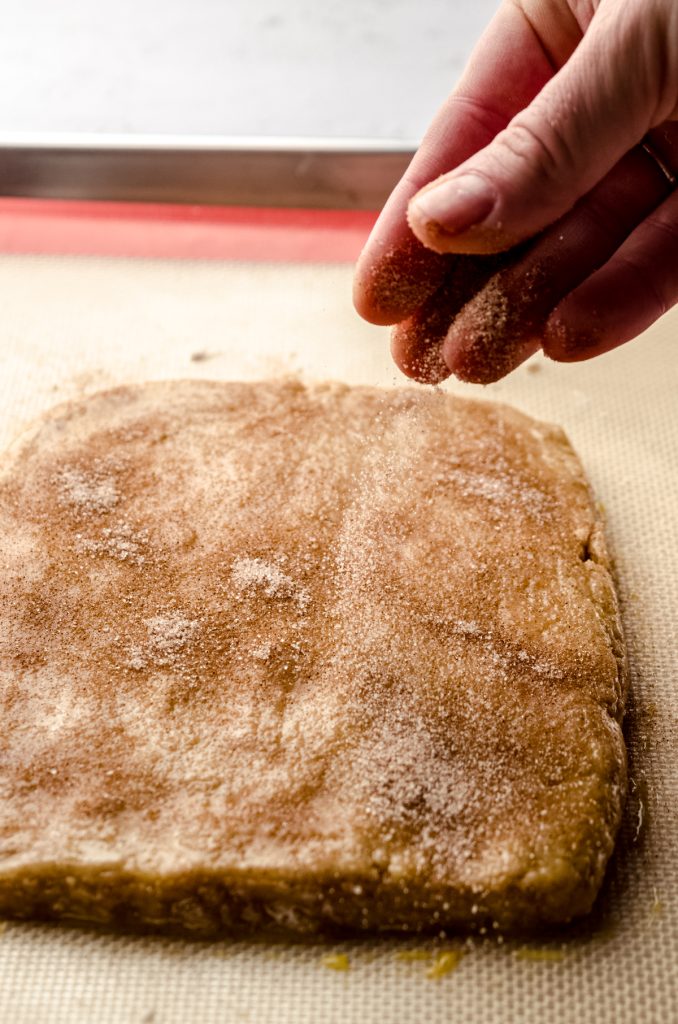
(278, 657)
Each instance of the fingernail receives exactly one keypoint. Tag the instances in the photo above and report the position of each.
(457, 204)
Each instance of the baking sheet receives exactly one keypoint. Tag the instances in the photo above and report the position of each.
(72, 325)
(356, 174)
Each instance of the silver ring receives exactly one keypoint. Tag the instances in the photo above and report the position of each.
(660, 162)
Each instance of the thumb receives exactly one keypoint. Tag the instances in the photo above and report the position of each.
(596, 108)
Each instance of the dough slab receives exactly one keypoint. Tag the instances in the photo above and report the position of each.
(284, 658)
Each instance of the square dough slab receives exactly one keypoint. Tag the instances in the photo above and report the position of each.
(278, 657)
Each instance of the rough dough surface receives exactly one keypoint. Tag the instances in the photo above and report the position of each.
(287, 657)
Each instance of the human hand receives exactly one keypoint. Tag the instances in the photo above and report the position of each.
(562, 130)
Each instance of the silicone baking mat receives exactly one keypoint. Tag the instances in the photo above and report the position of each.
(71, 325)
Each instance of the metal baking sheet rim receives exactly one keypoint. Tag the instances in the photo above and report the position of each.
(321, 173)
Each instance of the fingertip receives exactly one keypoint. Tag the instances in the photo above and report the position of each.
(366, 298)
(482, 367)
(418, 358)
(417, 341)
(569, 339)
(492, 335)
(394, 279)
(557, 342)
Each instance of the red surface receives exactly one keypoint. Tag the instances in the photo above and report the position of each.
(181, 232)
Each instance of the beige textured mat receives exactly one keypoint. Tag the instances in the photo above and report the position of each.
(71, 326)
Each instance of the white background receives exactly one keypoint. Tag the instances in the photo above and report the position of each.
(274, 67)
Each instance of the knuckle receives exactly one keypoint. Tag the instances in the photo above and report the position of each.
(539, 146)
(490, 119)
